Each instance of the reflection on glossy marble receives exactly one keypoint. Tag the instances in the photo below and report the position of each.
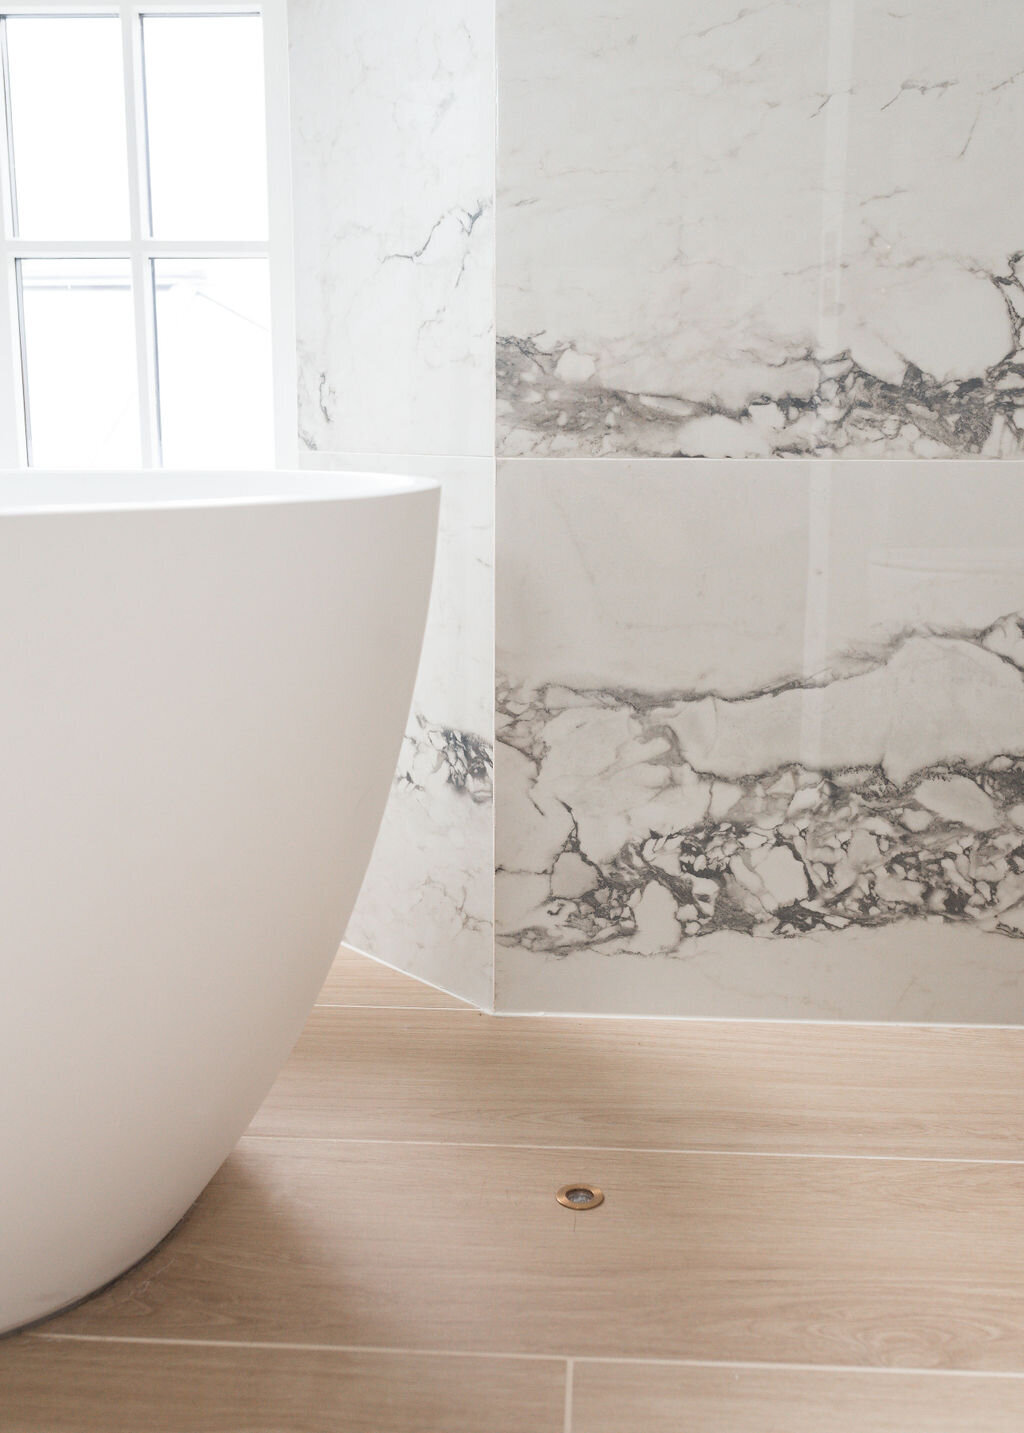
(393, 176)
(783, 228)
(835, 743)
(426, 905)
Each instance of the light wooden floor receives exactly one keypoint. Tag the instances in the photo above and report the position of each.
(807, 1229)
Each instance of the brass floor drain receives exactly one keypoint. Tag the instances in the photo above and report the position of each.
(580, 1196)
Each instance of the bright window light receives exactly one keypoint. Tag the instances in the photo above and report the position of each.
(67, 108)
(142, 269)
(207, 157)
(79, 345)
(213, 346)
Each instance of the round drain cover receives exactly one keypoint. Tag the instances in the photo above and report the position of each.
(580, 1196)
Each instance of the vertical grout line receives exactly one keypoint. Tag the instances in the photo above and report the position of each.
(816, 614)
(835, 164)
(570, 1365)
(835, 161)
(14, 438)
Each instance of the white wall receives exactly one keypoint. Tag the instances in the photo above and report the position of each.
(392, 132)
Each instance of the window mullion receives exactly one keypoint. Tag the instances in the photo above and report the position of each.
(13, 451)
(281, 245)
(13, 448)
(142, 269)
(10, 193)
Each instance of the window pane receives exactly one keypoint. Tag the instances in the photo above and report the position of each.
(213, 358)
(206, 126)
(67, 110)
(80, 367)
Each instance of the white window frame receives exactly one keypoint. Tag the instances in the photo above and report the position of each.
(140, 249)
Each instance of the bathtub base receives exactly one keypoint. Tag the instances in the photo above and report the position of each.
(77, 1303)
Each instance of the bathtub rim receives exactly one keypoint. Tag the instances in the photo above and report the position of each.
(38, 492)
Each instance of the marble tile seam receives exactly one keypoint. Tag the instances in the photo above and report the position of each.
(766, 460)
(378, 455)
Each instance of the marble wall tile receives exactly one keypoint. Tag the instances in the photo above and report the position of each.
(761, 732)
(393, 174)
(426, 905)
(781, 228)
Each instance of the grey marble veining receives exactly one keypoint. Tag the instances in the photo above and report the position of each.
(885, 831)
(393, 175)
(392, 109)
(782, 229)
(759, 744)
(427, 903)
(835, 407)
(463, 761)
(754, 706)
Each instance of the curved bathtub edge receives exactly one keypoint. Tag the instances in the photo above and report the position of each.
(56, 1313)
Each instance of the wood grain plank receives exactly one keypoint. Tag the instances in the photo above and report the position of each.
(355, 979)
(912, 1091)
(71, 1387)
(624, 1398)
(713, 1257)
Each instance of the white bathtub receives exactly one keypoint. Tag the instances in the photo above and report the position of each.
(205, 679)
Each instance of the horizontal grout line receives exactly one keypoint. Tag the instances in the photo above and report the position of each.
(623, 459)
(295, 1347)
(387, 458)
(753, 1365)
(635, 1149)
(761, 1366)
